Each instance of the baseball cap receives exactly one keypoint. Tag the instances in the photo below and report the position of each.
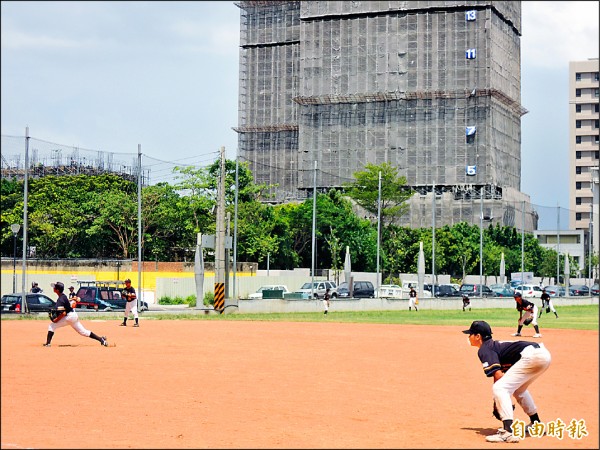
(71, 287)
(127, 280)
(58, 284)
(479, 327)
(517, 294)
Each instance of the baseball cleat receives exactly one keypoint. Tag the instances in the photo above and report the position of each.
(123, 324)
(104, 341)
(46, 345)
(516, 334)
(502, 436)
(136, 325)
(537, 335)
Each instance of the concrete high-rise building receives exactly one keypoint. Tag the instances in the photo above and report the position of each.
(584, 147)
(431, 87)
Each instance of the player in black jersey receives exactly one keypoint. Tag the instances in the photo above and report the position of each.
(513, 365)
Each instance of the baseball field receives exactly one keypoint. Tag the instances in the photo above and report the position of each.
(278, 384)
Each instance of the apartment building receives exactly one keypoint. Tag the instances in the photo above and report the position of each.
(584, 148)
(431, 87)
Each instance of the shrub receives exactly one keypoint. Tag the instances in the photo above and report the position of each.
(209, 298)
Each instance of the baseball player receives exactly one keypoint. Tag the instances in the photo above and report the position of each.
(466, 302)
(73, 299)
(547, 303)
(413, 300)
(326, 298)
(35, 288)
(65, 315)
(131, 306)
(527, 315)
(513, 365)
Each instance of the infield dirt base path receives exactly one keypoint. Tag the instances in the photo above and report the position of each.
(237, 384)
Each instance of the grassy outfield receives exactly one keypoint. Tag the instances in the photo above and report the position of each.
(581, 317)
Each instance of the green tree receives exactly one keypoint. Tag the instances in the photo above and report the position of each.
(394, 191)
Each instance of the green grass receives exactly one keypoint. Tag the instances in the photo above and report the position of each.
(581, 317)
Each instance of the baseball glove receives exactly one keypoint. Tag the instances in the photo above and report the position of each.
(56, 314)
(496, 414)
(547, 310)
(527, 321)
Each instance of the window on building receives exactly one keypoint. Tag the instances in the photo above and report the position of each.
(577, 92)
(578, 124)
(578, 185)
(578, 76)
(596, 107)
(577, 108)
(578, 139)
(596, 154)
(596, 139)
(596, 123)
(597, 92)
(596, 76)
(577, 216)
(578, 170)
(578, 155)
(578, 200)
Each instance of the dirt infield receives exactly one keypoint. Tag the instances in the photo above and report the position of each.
(235, 384)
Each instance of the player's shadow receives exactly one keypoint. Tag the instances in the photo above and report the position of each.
(482, 431)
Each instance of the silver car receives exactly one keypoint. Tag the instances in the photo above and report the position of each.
(317, 289)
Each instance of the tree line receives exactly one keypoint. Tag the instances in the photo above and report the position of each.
(83, 216)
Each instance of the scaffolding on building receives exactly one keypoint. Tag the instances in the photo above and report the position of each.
(430, 87)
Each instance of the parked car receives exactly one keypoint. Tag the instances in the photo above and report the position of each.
(36, 302)
(318, 288)
(103, 296)
(514, 283)
(595, 289)
(389, 290)
(555, 291)
(362, 289)
(579, 289)
(270, 287)
(476, 290)
(529, 290)
(504, 292)
(443, 290)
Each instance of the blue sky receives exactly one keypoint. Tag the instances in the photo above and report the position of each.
(112, 75)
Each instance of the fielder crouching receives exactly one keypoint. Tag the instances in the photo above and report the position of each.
(513, 366)
(527, 315)
(64, 315)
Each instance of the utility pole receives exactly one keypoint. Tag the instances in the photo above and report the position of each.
(220, 238)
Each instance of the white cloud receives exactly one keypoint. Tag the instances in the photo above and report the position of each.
(555, 33)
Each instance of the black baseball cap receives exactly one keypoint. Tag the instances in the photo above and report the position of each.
(58, 285)
(127, 280)
(517, 294)
(480, 327)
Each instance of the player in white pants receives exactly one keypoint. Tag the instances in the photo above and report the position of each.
(131, 306)
(547, 304)
(70, 318)
(527, 315)
(513, 365)
(413, 300)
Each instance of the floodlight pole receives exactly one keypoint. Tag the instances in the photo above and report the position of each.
(15, 227)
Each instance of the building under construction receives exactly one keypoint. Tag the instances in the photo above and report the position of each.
(431, 87)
